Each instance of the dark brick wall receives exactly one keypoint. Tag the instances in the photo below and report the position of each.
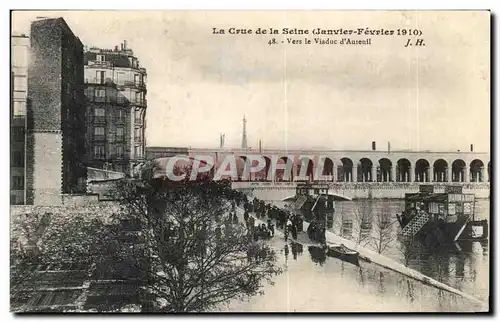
(73, 114)
(56, 103)
(44, 75)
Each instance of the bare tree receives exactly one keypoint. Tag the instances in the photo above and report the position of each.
(407, 249)
(383, 233)
(193, 263)
(363, 214)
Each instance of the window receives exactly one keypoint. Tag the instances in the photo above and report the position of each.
(17, 182)
(99, 131)
(100, 76)
(17, 159)
(99, 112)
(137, 79)
(100, 57)
(138, 97)
(99, 152)
(119, 151)
(120, 115)
(138, 151)
(20, 56)
(119, 132)
(120, 78)
(138, 135)
(19, 108)
(20, 83)
(100, 92)
(138, 118)
(467, 208)
(18, 134)
(451, 209)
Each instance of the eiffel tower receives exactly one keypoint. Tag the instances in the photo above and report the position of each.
(244, 138)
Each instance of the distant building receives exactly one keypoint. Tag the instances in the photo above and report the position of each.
(156, 152)
(19, 92)
(115, 90)
(56, 114)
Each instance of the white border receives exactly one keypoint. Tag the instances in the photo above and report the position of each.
(494, 5)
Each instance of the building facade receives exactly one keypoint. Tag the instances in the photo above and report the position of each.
(115, 91)
(19, 92)
(55, 114)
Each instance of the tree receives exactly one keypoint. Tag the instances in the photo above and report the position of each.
(363, 214)
(408, 247)
(383, 234)
(196, 258)
(54, 247)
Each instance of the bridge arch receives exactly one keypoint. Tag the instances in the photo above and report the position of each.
(280, 173)
(328, 169)
(385, 170)
(440, 170)
(309, 165)
(403, 170)
(458, 169)
(344, 171)
(477, 171)
(241, 163)
(266, 168)
(422, 171)
(365, 167)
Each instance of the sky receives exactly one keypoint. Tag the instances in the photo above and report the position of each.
(200, 84)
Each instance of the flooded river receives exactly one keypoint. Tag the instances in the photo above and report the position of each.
(313, 281)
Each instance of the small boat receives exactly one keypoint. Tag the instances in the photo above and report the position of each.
(343, 253)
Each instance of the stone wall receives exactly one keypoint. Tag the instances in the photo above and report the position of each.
(94, 174)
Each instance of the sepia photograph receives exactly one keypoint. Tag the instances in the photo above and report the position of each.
(175, 161)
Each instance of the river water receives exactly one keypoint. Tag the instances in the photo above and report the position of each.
(313, 282)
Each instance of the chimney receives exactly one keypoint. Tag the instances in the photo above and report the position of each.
(116, 48)
(260, 146)
(388, 147)
(373, 146)
(472, 148)
(124, 45)
(121, 46)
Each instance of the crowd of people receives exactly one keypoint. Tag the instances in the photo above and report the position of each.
(283, 219)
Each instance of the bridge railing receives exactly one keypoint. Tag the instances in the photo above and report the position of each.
(362, 185)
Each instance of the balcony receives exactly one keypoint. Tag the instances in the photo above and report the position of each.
(99, 119)
(99, 137)
(99, 64)
(100, 81)
(138, 85)
(141, 102)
